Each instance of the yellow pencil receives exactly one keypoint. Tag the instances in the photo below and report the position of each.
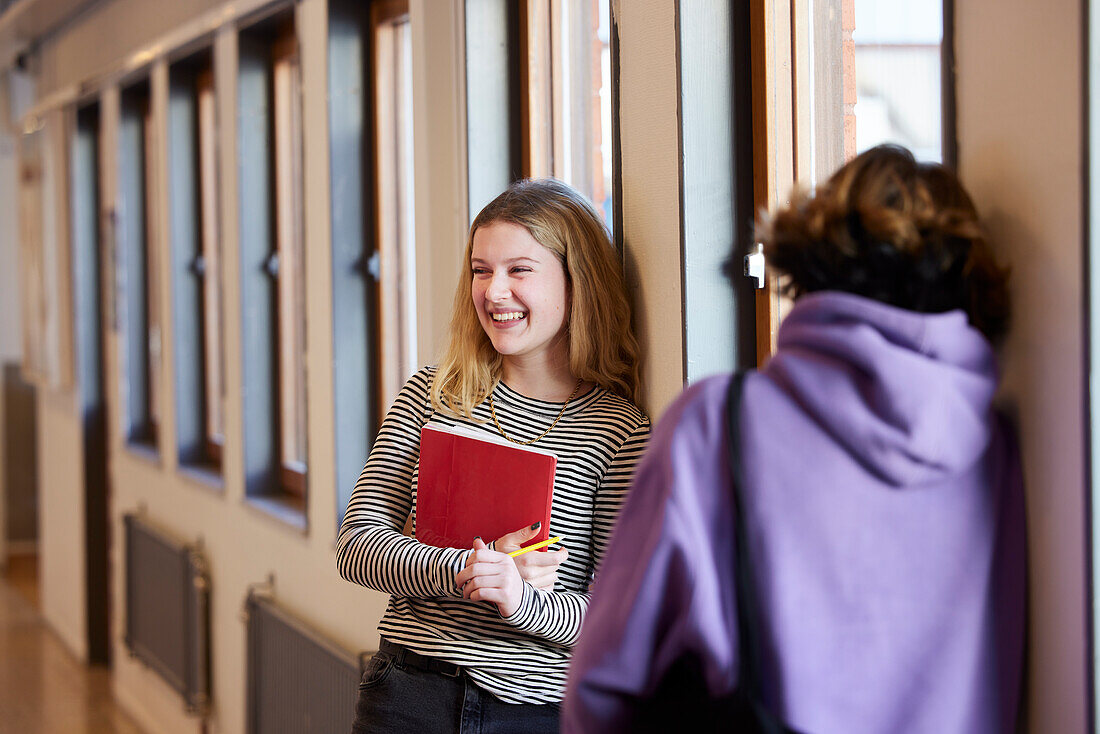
(536, 546)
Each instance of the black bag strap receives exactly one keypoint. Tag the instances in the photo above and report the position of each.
(747, 622)
(749, 684)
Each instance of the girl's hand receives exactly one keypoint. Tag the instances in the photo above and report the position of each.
(540, 569)
(491, 576)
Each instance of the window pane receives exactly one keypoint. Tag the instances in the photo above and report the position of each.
(566, 48)
(354, 322)
(897, 70)
(212, 310)
(288, 230)
(394, 186)
(875, 77)
(272, 266)
(286, 93)
(142, 330)
(196, 265)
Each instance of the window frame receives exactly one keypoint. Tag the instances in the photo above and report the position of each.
(287, 165)
(272, 482)
(135, 227)
(394, 237)
(546, 44)
(781, 96)
(716, 186)
(197, 265)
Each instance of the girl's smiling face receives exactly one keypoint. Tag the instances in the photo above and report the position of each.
(520, 293)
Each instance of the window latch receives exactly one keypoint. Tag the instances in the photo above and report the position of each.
(271, 265)
(374, 266)
(754, 265)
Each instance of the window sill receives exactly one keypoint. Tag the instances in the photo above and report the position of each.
(289, 512)
(203, 476)
(145, 451)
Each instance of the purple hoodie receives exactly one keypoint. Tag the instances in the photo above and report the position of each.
(886, 521)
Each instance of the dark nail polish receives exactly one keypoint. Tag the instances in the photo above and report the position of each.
(536, 526)
(477, 537)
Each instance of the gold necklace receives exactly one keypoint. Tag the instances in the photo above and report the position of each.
(493, 412)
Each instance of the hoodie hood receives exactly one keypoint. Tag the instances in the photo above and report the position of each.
(907, 394)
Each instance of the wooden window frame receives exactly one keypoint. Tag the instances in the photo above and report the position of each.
(144, 432)
(560, 120)
(270, 222)
(196, 262)
(290, 251)
(783, 95)
(213, 332)
(394, 312)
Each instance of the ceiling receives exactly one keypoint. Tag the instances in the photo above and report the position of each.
(24, 21)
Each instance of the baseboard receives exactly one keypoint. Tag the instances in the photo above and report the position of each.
(72, 640)
(156, 709)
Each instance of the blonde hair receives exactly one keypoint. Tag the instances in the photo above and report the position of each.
(602, 347)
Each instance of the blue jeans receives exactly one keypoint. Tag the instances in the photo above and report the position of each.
(403, 698)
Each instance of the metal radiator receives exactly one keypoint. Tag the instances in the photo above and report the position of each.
(168, 610)
(298, 682)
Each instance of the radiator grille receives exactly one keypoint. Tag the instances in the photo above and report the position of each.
(298, 682)
(168, 610)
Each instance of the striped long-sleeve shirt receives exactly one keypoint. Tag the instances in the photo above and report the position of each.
(521, 658)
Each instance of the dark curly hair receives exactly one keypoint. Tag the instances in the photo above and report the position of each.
(889, 228)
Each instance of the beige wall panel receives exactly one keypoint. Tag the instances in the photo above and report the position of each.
(137, 482)
(1019, 112)
(61, 521)
(649, 124)
(439, 166)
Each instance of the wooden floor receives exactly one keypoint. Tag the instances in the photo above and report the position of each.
(43, 688)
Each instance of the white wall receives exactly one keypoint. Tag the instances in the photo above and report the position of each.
(1019, 125)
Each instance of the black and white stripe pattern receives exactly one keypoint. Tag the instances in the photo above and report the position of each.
(522, 659)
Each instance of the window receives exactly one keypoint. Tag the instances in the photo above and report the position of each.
(874, 77)
(373, 253)
(84, 205)
(272, 263)
(493, 151)
(838, 77)
(566, 95)
(290, 252)
(393, 176)
(716, 185)
(31, 258)
(196, 262)
(141, 319)
(45, 255)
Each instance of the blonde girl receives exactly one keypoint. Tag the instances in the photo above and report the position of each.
(540, 352)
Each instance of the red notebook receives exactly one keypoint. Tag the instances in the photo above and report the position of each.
(471, 485)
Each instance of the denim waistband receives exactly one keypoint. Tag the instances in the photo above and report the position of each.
(404, 657)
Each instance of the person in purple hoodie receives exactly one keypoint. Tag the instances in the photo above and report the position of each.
(880, 488)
